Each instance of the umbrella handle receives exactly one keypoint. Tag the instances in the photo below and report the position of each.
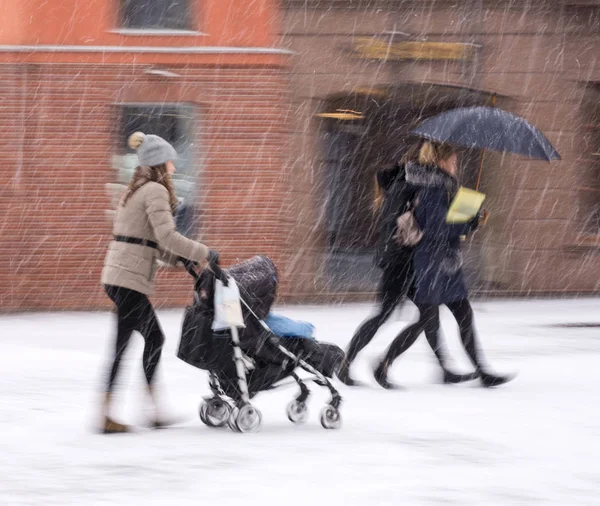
(493, 100)
(480, 171)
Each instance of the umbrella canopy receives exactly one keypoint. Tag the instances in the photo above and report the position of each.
(488, 128)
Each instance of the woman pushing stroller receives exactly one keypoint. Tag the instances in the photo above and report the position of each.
(144, 233)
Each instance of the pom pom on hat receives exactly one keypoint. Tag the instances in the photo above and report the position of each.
(136, 139)
(151, 149)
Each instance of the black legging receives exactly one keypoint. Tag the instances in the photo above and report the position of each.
(134, 312)
(429, 321)
(393, 288)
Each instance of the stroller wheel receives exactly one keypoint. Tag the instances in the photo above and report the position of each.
(331, 418)
(297, 412)
(215, 412)
(245, 419)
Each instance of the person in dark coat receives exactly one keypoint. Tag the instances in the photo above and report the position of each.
(396, 264)
(437, 261)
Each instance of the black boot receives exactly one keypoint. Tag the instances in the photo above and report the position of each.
(450, 377)
(469, 339)
(489, 380)
(381, 373)
(343, 373)
(441, 354)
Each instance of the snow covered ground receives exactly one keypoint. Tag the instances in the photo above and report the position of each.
(533, 441)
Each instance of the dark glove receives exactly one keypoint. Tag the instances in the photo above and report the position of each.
(213, 257)
(186, 263)
(474, 223)
(479, 220)
(213, 264)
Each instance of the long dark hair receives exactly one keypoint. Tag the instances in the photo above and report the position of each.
(156, 173)
(411, 155)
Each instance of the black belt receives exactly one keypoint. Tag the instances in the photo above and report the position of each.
(136, 240)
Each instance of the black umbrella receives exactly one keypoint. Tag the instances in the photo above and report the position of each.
(488, 128)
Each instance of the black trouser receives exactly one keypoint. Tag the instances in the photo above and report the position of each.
(134, 312)
(429, 321)
(394, 286)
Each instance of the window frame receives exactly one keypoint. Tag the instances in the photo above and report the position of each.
(191, 29)
(589, 188)
(194, 172)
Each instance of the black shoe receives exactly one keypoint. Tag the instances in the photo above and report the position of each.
(450, 377)
(343, 374)
(491, 380)
(380, 374)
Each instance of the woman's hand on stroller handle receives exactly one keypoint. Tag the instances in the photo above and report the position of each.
(213, 264)
(190, 266)
(213, 257)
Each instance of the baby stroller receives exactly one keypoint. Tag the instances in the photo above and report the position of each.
(243, 362)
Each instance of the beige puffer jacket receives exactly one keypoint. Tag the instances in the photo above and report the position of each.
(147, 215)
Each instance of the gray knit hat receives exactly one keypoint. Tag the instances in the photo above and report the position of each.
(151, 149)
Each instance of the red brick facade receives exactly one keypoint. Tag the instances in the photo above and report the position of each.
(59, 111)
(259, 145)
(54, 204)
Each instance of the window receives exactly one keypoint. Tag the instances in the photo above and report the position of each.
(590, 189)
(156, 14)
(175, 124)
(347, 178)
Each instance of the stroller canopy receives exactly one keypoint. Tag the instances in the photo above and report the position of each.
(257, 281)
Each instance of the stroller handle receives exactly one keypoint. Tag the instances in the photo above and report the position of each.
(213, 264)
(190, 267)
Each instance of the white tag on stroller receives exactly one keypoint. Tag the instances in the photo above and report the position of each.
(228, 309)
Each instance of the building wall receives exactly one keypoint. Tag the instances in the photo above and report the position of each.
(261, 189)
(536, 57)
(58, 120)
(97, 22)
(62, 121)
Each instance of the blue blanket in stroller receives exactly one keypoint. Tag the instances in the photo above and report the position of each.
(283, 326)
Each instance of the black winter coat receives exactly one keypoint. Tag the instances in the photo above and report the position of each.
(398, 194)
(437, 259)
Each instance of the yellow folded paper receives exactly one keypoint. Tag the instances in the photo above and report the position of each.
(465, 206)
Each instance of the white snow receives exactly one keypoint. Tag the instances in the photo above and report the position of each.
(533, 441)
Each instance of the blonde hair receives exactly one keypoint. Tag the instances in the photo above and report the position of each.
(432, 153)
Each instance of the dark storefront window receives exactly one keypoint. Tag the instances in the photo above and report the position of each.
(348, 213)
(156, 14)
(591, 139)
(174, 123)
(354, 150)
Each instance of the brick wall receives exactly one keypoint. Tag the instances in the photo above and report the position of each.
(58, 132)
(537, 58)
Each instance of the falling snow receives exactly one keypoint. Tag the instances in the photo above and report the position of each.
(279, 138)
